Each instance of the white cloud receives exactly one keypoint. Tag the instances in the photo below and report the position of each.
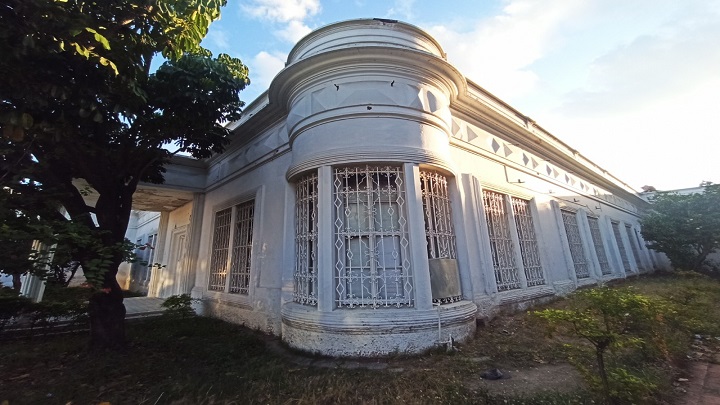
(498, 52)
(294, 31)
(678, 57)
(290, 13)
(402, 8)
(644, 109)
(218, 38)
(263, 68)
(282, 10)
(668, 143)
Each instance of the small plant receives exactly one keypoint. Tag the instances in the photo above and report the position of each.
(614, 320)
(179, 306)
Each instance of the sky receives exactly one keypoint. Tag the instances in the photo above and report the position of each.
(633, 85)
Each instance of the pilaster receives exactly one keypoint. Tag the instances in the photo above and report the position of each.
(416, 237)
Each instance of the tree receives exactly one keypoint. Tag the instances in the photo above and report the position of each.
(79, 100)
(684, 227)
(610, 319)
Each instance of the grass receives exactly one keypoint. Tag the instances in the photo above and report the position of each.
(207, 361)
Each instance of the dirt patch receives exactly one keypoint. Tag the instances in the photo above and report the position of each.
(562, 378)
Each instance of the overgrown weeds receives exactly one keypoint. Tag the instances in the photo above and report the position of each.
(631, 340)
(206, 361)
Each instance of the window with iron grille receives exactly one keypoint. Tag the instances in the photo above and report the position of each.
(575, 244)
(599, 246)
(231, 249)
(501, 244)
(621, 246)
(439, 232)
(372, 266)
(306, 238)
(633, 248)
(528, 242)
(438, 221)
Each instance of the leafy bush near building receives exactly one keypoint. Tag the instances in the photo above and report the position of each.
(627, 341)
(616, 322)
(179, 306)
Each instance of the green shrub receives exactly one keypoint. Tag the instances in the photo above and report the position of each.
(179, 306)
(621, 322)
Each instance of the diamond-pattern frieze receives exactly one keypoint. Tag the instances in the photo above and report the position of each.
(507, 151)
(495, 145)
(471, 135)
(319, 101)
(456, 129)
(366, 96)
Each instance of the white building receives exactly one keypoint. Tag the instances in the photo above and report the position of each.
(373, 192)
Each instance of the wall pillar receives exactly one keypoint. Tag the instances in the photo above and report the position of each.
(326, 247)
(159, 257)
(416, 237)
(187, 276)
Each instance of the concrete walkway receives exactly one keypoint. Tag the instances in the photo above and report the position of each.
(140, 307)
(704, 384)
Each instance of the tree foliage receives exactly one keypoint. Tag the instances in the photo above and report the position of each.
(684, 227)
(82, 111)
(612, 320)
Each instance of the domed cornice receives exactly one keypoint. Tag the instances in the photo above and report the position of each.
(379, 50)
(362, 33)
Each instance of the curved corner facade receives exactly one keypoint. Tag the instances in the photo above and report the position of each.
(376, 202)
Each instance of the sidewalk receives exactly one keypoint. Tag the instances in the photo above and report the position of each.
(704, 386)
(141, 307)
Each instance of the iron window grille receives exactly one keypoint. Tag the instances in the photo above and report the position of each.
(529, 250)
(232, 249)
(621, 246)
(501, 244)
(439, 232)
(575, 244)
(306, 239)
(372, 267)
(633, 248)
(599, 246)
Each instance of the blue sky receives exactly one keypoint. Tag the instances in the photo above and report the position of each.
(634, 85)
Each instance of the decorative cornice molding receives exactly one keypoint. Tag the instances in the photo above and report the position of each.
(367, 154)
(329, 38)
(378, 111)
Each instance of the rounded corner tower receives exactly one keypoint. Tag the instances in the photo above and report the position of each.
(368, 119)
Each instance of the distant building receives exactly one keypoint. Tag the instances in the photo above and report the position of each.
(374, 193)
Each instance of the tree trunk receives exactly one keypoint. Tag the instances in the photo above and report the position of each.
(600, 357)
(17, 282)
(107, 311)
(107, 315)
